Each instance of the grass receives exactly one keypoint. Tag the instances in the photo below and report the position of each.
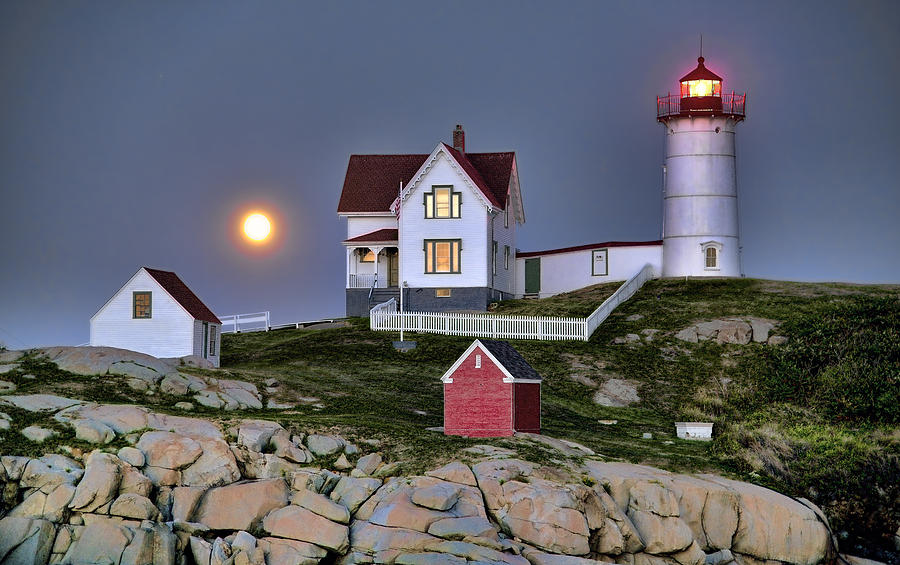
(351, 381)
(366, 387)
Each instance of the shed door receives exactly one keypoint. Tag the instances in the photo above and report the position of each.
(527, 400)
(533, 275)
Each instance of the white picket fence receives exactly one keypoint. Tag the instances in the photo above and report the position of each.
(385, 317)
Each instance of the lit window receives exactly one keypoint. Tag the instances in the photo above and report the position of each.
(212, 340)
(442, 202)
(142, 304)
(711, 258)
(442, 255)
(366, 255)
(442, 292)
(702, 87)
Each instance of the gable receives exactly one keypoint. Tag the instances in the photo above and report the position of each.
(120, 304)
(164, 283)
(372, 182)
(504, 356)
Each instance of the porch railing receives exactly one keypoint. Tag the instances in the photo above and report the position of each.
(385, 317)
(362, 281)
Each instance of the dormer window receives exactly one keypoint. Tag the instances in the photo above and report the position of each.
(442, 202)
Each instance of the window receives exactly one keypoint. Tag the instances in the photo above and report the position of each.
(366, 255)
(710, 251)
(141, 304)
(442, 202)
(506, 217)
(477, 361)
(494, 258)
(212, 340)
(506, 257)
(442, 292)
(442, 255)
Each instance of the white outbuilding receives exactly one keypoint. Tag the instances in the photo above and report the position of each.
(157, 314)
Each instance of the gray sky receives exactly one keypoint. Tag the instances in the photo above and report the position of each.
(135, 133)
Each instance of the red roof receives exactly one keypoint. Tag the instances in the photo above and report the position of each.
(372, 182)
(590, 246)
(700, 73)
(183, 295)
(375, 236)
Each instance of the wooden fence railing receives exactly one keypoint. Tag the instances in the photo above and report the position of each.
(386, 317)
(237, 323)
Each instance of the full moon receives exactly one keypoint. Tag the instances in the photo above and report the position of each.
(257, 227)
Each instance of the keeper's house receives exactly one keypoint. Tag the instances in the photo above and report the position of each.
(157, 314)
(491, 391)
(442, 223)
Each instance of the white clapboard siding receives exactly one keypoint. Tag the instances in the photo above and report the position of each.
(471, 227)
(385, 317)
(168, 333)
(571, 270)
(360, 225)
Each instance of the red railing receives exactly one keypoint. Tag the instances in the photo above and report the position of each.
(734, 105)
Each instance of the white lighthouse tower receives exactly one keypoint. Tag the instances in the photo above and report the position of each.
(700, 206)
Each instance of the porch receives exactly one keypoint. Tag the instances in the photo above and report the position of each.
(371, 265)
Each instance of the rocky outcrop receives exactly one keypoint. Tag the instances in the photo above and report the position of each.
(732, 330)
(185, 491)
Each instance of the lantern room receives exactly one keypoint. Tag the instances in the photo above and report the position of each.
(701, 82)
(701, 90)
(701, 94)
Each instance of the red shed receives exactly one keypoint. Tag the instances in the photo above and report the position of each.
(491, 391)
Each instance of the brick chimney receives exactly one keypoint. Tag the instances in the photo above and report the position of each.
(459, 139)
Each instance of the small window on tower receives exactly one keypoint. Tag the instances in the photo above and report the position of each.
(712, 258)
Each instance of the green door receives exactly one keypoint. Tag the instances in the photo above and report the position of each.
(533, 275)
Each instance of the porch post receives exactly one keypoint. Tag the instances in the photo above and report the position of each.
(349, 254)
(378, 277)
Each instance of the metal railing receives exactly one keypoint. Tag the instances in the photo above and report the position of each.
(385, 317)
(732, 105)
(238, 322)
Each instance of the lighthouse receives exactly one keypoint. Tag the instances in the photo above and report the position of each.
(701, 235)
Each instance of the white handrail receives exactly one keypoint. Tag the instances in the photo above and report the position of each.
(621, 294)
(235, 321)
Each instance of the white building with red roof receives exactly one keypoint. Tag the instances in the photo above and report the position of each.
(157, 314)
(444, 224)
